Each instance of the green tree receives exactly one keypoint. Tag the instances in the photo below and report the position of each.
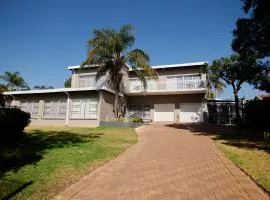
(42, 87)
(3, 88)
(252, 38)
(14, 81)
(110, 50)
(213, 84)
(67, 83)
(234, 71)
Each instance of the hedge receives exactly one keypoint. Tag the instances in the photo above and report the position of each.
(257, 114)
(12, 122)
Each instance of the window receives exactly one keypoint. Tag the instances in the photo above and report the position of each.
(142, 111)
(55, 109)
(185, 81)
(136, 85)
(85, 108)
(30, 107)
(87, 80)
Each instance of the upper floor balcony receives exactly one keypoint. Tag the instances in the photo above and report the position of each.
(180, 84)
(177, 84)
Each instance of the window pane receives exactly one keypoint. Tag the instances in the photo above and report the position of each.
(54, 109)
(196, 77)
(87, 80)
(35, 109)
(47, 109)
(142, 111)
(23, 105)
(85, 108)
(187, 78)
(75, 108)
(30, 107)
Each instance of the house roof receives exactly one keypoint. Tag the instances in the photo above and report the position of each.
(52, 90)
(79, 66)
(154, 67)
(262, 97)
(180, 65)
(71, 67)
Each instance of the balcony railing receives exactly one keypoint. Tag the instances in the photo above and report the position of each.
(166, 85)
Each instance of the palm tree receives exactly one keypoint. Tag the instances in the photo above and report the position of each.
(14, 81)
(213, 84)
(110, 50)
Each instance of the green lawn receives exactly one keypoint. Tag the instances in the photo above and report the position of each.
(249, 152)
(48, 159)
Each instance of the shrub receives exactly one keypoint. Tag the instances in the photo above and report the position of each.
(2, 100)
(135, 119)
(12, 122)
(257, 114)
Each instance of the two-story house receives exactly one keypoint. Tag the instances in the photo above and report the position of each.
(176, 96)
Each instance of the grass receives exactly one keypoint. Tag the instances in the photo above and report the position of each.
(48, 159)
(249, 152)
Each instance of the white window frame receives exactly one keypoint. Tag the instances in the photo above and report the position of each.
(83, 114)
(58, 109)
(32, 107)
(86, 81)
(140, 111)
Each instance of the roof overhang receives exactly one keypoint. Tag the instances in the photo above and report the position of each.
(166, 92)
(154, 66)
(57, 90)
(74, 67)
(178, 65)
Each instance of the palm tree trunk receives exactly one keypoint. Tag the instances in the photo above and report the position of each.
(237, 110)
(116, 105)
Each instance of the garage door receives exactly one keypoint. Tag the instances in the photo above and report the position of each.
(164, 112)
(190, 112)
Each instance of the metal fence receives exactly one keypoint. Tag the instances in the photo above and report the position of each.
(222, 112)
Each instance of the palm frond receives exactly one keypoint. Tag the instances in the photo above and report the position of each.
(126, 35)
(139, 61)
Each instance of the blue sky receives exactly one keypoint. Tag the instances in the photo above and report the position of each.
(41, 38)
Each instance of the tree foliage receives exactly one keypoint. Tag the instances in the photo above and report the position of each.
(3, 88)
(257, 114)
(110, 50)
(252, 38)
(214, 84)
(14, 81)
(252, 35)
(67, 83)
(234, 71)
(42, 87)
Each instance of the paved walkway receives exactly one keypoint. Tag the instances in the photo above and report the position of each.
(168, 163)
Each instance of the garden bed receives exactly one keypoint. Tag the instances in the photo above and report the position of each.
(121, 124)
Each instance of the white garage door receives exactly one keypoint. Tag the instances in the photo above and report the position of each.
(191, 112)
(164, 112)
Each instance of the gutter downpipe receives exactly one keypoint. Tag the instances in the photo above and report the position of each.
(67, 111)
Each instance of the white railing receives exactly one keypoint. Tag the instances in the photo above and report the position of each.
(166, 85)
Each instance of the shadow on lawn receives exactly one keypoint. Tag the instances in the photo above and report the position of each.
(31, 147)
(17, 187)
(29, 150)
(249, 139)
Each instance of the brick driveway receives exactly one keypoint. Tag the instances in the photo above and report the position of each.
(167, 163)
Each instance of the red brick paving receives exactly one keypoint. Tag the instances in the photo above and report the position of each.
(167, 163)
